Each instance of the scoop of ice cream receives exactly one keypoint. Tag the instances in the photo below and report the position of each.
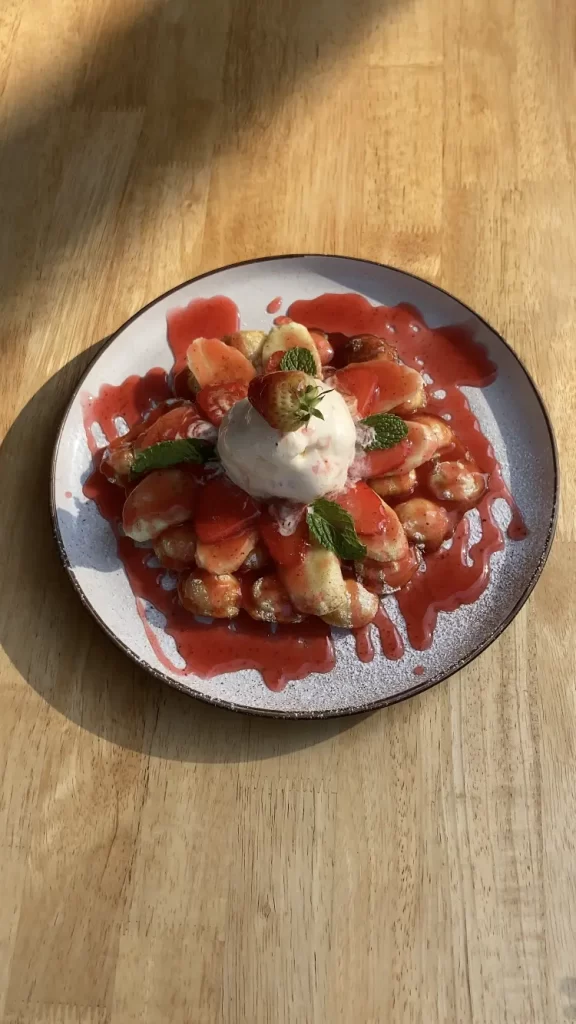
(301, 465)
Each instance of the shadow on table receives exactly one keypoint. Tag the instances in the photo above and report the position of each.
(176, 84)
(58, 648)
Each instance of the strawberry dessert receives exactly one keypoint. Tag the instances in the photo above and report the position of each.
(292, 480)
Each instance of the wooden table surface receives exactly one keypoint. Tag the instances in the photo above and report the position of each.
(163, 861)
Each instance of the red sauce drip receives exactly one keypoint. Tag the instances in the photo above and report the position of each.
(390, 639)
(451, 357)
(364, 645)
(109, 498)
(129, 400)
(449, 581)
(274, 305)
(466, 426)
(201, 318)
(517, 529)
(67, 494)
(419, 670)
(279, 320)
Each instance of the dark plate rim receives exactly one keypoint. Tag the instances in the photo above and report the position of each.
(335, 712)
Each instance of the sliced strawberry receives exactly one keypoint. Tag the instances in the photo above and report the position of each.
(146, 422)
(388, 543)
(285, 549)
(217, 399)
(183, 384)
(223, 510)
(368, 347)
(325, 350)
(367, 509)
(119, 455)
(274, 361)
(180, 422)
(418, 447)
(361, 383)
(116, 463)
(166, 497)
(396, 382)
(212, 362)
(385, 460)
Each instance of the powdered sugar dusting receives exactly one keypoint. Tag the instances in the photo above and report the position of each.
(509, 414)
(288, 516)
(365, 435)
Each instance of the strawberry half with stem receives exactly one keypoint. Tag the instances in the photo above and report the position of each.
(287, 399)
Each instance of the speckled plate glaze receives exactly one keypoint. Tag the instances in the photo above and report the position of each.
(510, 412)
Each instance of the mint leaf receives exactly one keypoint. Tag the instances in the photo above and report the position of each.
(321, 530)
(333, 513)
(299, 359)
(172, 453)
(334, 529)
(388, 430)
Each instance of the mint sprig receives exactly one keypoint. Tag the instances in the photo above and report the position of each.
(334, 529)
(172, 453)
(388, 428)
(299, 359)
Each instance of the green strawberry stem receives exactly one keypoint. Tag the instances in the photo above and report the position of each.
(307, 405)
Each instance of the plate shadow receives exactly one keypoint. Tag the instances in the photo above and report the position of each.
(55, 645)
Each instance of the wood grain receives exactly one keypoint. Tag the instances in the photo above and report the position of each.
(163, 861)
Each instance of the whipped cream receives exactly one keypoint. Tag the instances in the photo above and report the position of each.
(301, 465)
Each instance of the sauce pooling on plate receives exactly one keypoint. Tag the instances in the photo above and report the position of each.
(459, 574)
(454, 575)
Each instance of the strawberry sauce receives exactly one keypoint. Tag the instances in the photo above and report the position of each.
(390, 640)
(128, 401)
(274, 304)
(289, 652)
(201, 318)
(451, 357)
(454, 576)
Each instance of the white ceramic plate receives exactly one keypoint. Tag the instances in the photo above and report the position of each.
(510, 412)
